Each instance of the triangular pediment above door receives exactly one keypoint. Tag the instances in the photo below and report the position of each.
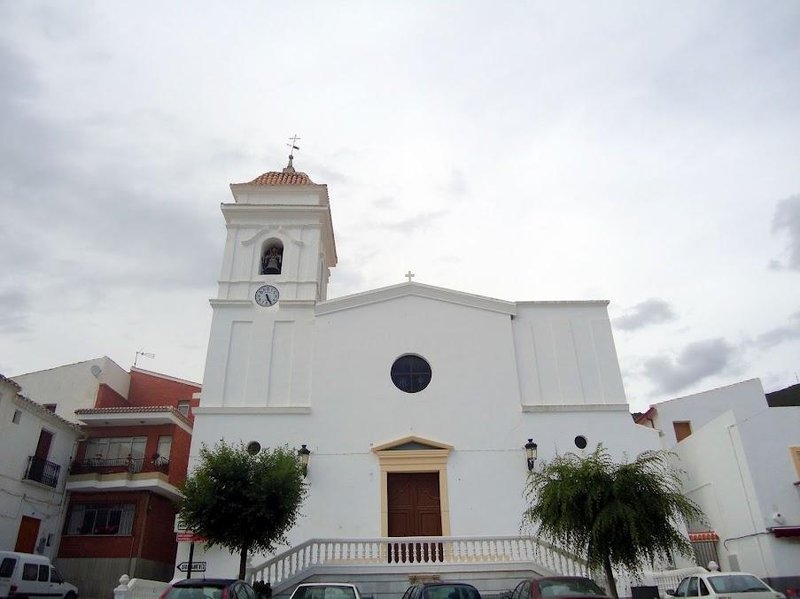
(412, 443)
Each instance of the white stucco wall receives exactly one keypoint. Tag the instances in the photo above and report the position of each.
(565, 354)
(740, 473)
(766, 437)
(473, 403)
(20, 498)
(744, 398)
(73, 386)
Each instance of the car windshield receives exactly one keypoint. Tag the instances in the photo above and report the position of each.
(450, 591)
(569, 586)
(736, 583)
(324, 592)
(198, 592)
(7, 567)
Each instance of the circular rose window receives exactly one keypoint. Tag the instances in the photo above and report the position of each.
(411, 373)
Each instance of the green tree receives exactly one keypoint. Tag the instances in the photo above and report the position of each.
(613, 514)
(243, 502)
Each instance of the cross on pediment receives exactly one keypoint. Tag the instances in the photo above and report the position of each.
(409, 275)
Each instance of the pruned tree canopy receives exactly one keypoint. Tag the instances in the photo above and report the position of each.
(243, 502)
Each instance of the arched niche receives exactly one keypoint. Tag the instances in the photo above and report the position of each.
(271, 262)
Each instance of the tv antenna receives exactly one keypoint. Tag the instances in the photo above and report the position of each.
(144, 354)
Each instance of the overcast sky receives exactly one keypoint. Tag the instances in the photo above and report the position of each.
(647, 153)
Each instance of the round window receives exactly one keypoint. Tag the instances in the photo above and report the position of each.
(580, 442)
(411, 373)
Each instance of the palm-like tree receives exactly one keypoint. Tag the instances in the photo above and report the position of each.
(622, 515)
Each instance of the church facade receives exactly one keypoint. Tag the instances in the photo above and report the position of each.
(415, 402)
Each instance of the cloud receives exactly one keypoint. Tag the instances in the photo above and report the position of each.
(413, 223)
(787, 220)
(13, 311)
(778, 335)
(456, 184)
(651, 311)
(697, 361)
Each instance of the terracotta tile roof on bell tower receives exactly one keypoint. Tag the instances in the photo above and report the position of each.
(284, 178)
(288, 176)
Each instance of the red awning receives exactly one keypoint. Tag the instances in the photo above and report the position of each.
(708, 535)
(785, 531)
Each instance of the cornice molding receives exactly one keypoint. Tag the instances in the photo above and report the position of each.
(416, 290)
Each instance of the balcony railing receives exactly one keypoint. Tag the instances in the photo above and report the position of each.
(110, 466)
(42, 471)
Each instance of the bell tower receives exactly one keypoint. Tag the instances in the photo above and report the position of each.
(276, 265)
(279, 232)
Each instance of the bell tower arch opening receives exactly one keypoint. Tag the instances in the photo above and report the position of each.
(271, 257)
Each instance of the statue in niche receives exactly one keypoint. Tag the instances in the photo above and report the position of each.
(272, 261)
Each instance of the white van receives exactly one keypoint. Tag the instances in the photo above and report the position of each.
(29, 576)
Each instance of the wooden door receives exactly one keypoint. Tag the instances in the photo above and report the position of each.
(43, 446)
(414, 508)
(27, 535)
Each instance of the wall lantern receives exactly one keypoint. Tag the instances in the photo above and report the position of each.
(304, 454)
(531, 452)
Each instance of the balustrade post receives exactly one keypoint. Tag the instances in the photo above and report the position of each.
(122, 591)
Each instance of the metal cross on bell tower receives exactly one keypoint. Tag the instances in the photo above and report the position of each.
(292, 147)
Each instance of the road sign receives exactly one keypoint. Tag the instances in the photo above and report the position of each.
(189, 537)
(196, 566)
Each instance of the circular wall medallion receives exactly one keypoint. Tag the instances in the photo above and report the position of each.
(580, 442)
(411, 373)
(253, 447)
(267, 295)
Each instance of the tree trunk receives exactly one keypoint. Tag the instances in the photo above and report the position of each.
(243, 563)
(612, 585)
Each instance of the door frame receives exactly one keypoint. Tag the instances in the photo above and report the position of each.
(414, 454)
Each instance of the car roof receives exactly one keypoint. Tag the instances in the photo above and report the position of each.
(33, 557)
(199, 582)
(444, 583)
(326, 584)
(562, 578)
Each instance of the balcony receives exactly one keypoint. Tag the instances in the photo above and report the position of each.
(123, 474)
(41, 471)
(110, 466)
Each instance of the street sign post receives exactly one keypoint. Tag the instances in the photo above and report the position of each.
(192, 567)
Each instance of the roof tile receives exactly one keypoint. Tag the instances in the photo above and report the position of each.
(133, 409)
(285, 178)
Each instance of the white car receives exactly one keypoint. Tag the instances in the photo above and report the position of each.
(725, 585)
(32, 576)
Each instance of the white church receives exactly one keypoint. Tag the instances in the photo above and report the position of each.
(415, 402)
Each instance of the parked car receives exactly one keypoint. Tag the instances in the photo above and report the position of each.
(724, 585)
(441, 590)
(32, 576)
(327, 590)
(209, 588)
(558, 587)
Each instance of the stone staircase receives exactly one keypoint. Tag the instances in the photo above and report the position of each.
(385, 566)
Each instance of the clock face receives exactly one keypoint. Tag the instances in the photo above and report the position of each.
(267, 295)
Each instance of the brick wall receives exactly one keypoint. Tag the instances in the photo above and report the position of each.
(158, 542)
(152, 390)
(105, 545)
(151, 537)
(108, 398)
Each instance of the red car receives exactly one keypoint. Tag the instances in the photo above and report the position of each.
(558, 587)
